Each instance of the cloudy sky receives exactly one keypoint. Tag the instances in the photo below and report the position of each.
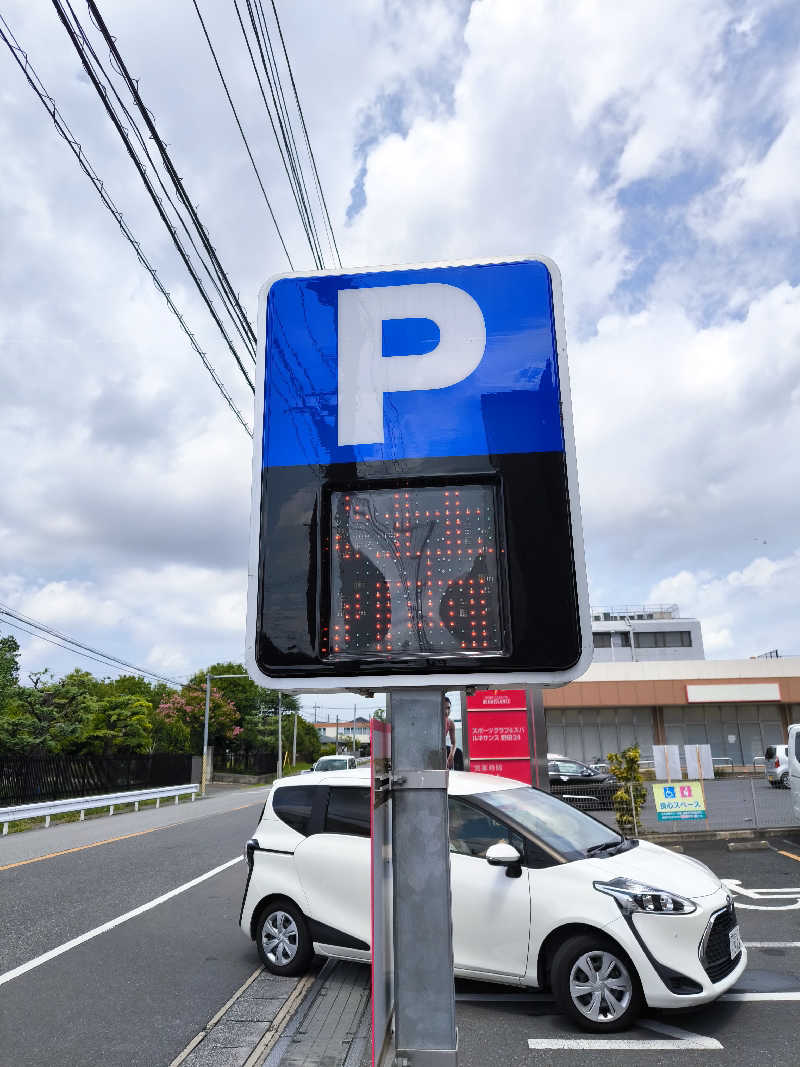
(652, 152)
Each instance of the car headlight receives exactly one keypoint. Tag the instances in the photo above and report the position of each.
(634, 896)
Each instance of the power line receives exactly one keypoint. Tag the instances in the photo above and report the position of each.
(143, 145)
(241, 131)
(133, 88)
(280, 141)
(305, 135)
(55, 638)
(79, 48)
(66, 134)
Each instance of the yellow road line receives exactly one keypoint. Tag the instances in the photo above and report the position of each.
(110, 840)
(789, 855)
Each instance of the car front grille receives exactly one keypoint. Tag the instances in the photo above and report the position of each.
(715, 948)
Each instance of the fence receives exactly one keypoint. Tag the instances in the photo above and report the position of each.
(749, 803)
(246, 762)
(31, 779)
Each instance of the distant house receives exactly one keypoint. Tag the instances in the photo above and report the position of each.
(328, 731)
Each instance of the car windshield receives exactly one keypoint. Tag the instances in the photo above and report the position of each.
(570, 832)
(332, 765)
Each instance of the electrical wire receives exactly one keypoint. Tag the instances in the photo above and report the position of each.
(133, 88)
(21, 58)
(305, 135)
(54, 637)
(148, 184)
(296, 193)
(241, 131)
(134, 129)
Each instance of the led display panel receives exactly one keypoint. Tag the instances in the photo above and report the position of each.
(415, 572)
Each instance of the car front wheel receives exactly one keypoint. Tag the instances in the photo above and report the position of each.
(284, 943)
(596, 984)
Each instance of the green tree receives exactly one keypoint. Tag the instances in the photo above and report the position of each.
(631, 795)
(9, 670)
(119, 725)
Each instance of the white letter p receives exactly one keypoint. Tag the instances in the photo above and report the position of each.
(365, 375)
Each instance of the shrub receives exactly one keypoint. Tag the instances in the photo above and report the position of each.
(631, 795)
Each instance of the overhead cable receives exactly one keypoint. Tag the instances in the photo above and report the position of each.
(64, 131)
(82, 54)
(305, 135)
(134, 129)
(241, 131)
(47, 633)
(133, 88)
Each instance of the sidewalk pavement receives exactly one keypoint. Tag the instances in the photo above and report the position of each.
(319, 1020)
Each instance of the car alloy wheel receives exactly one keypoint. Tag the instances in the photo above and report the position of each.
(600, 986)
(283, 940)
(279, 937)
(595, 983)
(785, 780)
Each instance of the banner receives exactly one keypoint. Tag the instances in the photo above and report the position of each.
(497, 724)
(681, 800)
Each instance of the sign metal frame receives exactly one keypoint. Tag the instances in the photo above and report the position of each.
(487, 678)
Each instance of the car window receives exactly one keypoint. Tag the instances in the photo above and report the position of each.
(348, 811)
(293, 804)
(796, 745)
(566, 767)
(472, 831)
(563, 828)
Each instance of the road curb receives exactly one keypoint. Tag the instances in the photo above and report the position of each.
(716, 835)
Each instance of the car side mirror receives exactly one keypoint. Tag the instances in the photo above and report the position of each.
(502, 855)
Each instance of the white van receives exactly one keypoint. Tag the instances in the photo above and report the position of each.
(794, 768)
(542, 895)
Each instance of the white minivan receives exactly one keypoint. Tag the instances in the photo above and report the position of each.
(543, 895)
(794, 768)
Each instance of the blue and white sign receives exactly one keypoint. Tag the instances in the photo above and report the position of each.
(392, 364)
(395, 385)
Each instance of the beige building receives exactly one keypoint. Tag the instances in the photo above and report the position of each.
(737, 706)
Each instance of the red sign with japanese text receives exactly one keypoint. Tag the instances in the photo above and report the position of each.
(497, 724)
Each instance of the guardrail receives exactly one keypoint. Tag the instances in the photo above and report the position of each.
(83, 804)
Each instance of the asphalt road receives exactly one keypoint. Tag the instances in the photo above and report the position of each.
(135, 994)
(760, 1029)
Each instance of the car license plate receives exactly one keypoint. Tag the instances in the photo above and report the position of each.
(736, 942)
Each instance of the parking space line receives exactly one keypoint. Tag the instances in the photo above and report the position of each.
(61, 949)
(772, 944)
(742, 997)
(680, 1041)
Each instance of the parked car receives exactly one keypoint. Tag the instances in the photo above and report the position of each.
(336, 763)
(777, 764)
(543, 895)
(794, 768)
(581, 785)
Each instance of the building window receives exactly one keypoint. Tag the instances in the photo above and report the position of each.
(622, 639)
(663, 639)
(601, 640)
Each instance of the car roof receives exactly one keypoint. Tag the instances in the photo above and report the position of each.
(461, 783)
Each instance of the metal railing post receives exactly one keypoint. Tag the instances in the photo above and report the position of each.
(633, 811)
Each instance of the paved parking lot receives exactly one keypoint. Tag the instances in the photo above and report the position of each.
(755, 1023)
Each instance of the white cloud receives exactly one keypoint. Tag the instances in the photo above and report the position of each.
(745, 612)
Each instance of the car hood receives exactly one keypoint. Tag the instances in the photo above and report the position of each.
(658, 867)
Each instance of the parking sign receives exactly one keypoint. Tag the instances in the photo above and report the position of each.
(415, 514)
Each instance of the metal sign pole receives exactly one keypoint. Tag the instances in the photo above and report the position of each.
(425, 1027)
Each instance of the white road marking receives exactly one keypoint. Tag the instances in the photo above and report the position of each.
(772, 944)
(740, 997)
(681, 1041)
(770, 898)
(61, 949)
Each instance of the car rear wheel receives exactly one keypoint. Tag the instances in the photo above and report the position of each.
(596, 984)
(785, 780)
(284, 943)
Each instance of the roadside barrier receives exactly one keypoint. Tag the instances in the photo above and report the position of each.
(48, 808)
